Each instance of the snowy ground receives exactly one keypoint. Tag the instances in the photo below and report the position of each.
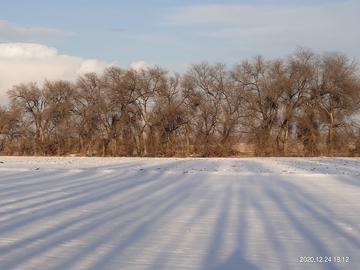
(129, 213)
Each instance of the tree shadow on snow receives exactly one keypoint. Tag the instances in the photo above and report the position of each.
(155, 217)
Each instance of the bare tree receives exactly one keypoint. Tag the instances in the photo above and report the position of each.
(132, 94)
(59, 96)
(297, 79)
(306, 102)
(221, 102)
(120, 104)
(29, 99)
(152, 82)
(10, 131)
(204, 117)
(3, 123)
(170, 119)
(3, 128)
(338, 92)
(308, 127)
(262, 97)
(88, 99)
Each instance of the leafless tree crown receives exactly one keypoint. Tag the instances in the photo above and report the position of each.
(304, 105)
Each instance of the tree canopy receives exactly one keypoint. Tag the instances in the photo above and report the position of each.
(304, 105)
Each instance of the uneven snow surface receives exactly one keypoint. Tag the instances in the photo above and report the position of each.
(131, 213)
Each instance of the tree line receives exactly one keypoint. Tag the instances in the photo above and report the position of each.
(304, 105)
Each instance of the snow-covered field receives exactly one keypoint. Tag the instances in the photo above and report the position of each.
(131, 213)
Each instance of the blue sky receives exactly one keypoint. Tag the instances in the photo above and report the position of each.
(47, 36)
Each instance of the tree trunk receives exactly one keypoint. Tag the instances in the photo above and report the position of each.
(69, 140)
(82, 146)
(90, 148)
(331, 135)
(59, 149)
(286, 139)
(116, 146)
(187, 142)
(104, 149)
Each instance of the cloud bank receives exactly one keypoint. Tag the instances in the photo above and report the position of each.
(273, 27)
(13, 32)
(139, 65)
(24, 62)
(248, 16)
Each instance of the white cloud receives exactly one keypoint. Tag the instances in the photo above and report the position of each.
(139, 65)
(23, 63)
(163, 41)
(12, 32)
(26, 51)
(271, 29)
(248, 16)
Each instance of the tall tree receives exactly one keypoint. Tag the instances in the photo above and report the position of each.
(30, 100)
(10, 131)
(88, 100)
(338, 92)
(221, 98)
(262, 97)
(170, 118)
(59, 95)
(297, 81)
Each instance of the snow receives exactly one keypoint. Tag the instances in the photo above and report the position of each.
(167, 213)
